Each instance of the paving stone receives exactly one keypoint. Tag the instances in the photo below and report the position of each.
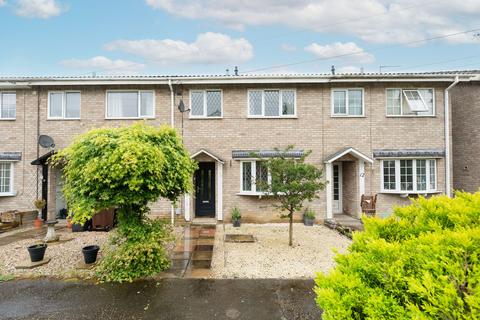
(179, 264)
(202, 255)
(197, 273)
(185, 255)
(205, 242)
(240, 238)
(204, 247)
(27, 264)
(201, 264)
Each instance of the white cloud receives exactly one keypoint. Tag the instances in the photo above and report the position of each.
(347, 51)
(208, 48)
(43, 9)
(380, 21)
(3, 2)
(101, 63)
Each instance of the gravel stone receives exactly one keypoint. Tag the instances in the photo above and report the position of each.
(270, 256)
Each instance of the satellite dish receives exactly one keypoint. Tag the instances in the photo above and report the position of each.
(181, 107)
(46, 141)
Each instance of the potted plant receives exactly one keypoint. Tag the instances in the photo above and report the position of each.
(39, 205)
(37, 252)
(236, 216)
(90, 253)
(308, 217)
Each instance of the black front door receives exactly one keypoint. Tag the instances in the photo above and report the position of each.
(205, 190)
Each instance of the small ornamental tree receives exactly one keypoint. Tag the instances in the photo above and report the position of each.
(422, 262)
(126, 168)
(293, 181)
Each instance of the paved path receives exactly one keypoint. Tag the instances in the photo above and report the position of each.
(166, 299)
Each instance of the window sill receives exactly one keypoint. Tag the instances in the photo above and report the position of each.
(410, 116)
(346, 116)
(64, 119)
(13, 194)
(8, 119)
(273, 117)
(255, 194)
(131, 118)
(205, 118)
(408, 193)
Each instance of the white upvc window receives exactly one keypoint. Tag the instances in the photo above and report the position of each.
(409, 176)
(251, 174)
(272, 103)
(8, 105)
(410, 102)
(6, 178)
(63, 105)
(347, 102)
(130, 104)
(206, 104)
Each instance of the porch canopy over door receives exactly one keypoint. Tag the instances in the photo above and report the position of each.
(361, 159)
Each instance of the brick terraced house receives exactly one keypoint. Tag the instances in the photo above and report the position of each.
(388, 135)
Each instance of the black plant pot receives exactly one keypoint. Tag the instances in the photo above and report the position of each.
(236, 223)
(90, 254)
(308, 221)
(37, 252)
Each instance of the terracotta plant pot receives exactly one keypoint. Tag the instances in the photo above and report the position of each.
(38, 223)
(37, 252)
(69, 223)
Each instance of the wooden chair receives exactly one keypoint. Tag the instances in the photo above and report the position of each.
(369, 205)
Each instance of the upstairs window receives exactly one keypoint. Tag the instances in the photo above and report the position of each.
(8, 105)
(347, 102)
(6, 178)
(130, 104)
(64, 105)
(254, 174)
(410, 102)
(206, 104)
(409, 176)
(271, 103)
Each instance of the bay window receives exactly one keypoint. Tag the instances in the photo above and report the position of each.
(254, 174)
(347, 102)
(409, 176)
(130, 104)
(6, 179)
(410, 102)
(8, 105)
(271, 103)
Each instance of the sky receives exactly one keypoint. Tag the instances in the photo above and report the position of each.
(177, 37)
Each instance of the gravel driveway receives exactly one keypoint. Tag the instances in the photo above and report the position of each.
(271, 257)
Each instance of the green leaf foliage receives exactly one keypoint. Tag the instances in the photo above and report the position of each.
(124, 167)
(138, 251)
(423, 262)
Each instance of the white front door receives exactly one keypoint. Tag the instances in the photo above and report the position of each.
(337, 205)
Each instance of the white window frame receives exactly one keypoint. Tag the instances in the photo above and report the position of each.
(12, 182)
(414, 173)
(346, 115)
(204, 115)
(254, 191)
(263, 116)
(64, 105)
(1, 104)
(401, 104)
(138, 104)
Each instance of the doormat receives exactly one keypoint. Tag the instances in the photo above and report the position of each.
(239, 238)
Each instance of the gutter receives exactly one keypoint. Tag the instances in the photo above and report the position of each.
(448, 165)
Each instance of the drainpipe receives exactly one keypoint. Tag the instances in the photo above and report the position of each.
(172, 124)
(448, 191)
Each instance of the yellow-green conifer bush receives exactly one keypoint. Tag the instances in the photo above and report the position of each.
(423, 262)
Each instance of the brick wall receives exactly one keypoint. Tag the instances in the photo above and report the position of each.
(314, 129)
